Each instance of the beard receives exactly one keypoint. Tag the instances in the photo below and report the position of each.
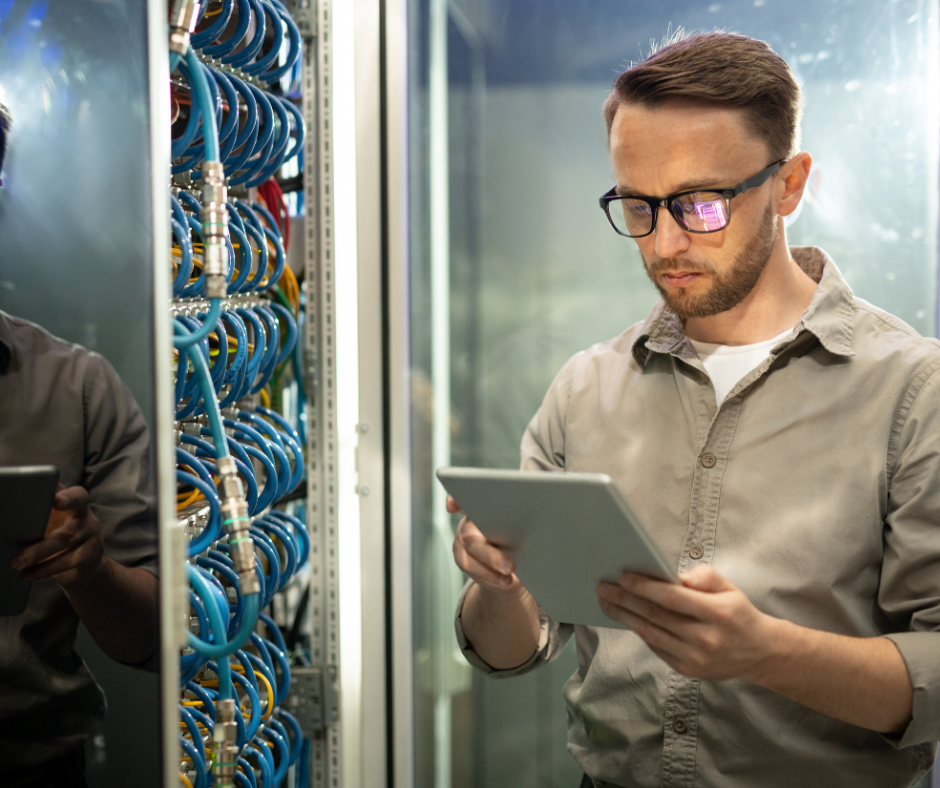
(728, 289)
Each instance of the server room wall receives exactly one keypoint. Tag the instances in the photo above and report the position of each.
(75, 252)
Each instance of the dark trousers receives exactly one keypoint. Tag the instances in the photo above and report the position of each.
(67, 771)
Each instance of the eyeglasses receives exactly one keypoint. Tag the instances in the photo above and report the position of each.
(699, 211)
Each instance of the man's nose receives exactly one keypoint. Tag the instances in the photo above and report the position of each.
(671, 238)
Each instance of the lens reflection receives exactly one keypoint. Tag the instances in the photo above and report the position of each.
(703, 211)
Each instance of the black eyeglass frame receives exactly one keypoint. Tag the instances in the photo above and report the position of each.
(655, 203)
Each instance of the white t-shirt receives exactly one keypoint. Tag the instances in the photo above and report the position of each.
(727, 364)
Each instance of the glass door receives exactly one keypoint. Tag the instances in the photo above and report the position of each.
(513, 269)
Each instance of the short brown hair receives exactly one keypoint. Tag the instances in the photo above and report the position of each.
(724, 70)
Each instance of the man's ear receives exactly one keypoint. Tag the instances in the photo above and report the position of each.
(794, 175)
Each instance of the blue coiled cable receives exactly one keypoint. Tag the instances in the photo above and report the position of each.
(253, 47)
(220, 648)
(213, 31)
(241, 27)
(267, 771)
(266, 61)
(293, 54)
(198, 766)
(280, 741)
(181, 234)
(213, 529)
(287, 346)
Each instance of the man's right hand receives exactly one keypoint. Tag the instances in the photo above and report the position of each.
(500, 618)
(485, 563)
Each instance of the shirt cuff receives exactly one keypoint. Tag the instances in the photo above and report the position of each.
(921, 654)
(542, 654)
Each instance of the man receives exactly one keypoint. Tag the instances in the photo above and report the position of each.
(65, 406)
(778, 437)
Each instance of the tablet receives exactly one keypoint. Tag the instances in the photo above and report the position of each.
(566, 532)
(26, 494)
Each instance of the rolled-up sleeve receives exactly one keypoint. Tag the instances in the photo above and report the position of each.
(909, 592)
(543, 449)
(552, 639)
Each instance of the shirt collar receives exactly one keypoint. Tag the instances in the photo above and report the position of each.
(6, 342)
(829, 316)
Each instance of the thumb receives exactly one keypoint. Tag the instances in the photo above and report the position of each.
(72, 498)
(706, 578)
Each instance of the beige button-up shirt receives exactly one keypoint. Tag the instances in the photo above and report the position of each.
(814, 487)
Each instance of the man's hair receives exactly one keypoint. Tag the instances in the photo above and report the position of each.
(723, 70)
(5, 121)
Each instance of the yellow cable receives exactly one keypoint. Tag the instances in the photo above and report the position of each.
(194, 496)
(270, 707)
(265, 398)
(185, 780)
(291, 288)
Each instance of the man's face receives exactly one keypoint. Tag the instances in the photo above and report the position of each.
(677, 147)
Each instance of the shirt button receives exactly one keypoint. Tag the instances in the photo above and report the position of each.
(679, 725)
(696, 552)
(708, 459)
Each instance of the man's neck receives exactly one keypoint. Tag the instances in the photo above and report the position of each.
(776, 303)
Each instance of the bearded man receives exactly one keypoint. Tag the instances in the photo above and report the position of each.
(780, 439)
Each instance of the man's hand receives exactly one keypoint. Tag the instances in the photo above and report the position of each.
(72, 549)
(487, 565)
(500, 618)
(705, 628)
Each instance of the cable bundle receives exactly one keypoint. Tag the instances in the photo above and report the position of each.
(258, 130)
(240, 461)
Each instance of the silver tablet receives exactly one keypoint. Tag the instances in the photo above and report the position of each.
(565, 531)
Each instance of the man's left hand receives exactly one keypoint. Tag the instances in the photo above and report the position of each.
(705, 628)
(72, 549)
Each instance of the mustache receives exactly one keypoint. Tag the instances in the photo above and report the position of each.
(663, 264)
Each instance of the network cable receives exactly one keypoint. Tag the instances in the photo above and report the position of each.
(236, 312)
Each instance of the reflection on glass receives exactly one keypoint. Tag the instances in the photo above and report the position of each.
(76, 393)
(533, 272)
(94, 559)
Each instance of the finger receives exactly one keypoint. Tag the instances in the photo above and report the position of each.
(481, 574)
(56, 564)
(466, 527)
(706, 578)
(69, 535)
(655, 637)
(72, 498)
(452, 506)
(645, 609)
(488, 555)
(680, 599)
(484, 575)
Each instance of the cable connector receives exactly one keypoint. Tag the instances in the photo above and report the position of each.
(235, 519)
(225, 739)
(215, 229)
(182, 24)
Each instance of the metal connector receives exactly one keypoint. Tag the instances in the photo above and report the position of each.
(215, 229)
(183, 18)
(236, 522)
(225, 739)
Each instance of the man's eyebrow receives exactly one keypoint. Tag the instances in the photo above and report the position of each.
(686, 186)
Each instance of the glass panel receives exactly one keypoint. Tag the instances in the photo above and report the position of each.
(514, 268)
(76, 259)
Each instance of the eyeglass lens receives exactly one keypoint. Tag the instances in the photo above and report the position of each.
(702, 212)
